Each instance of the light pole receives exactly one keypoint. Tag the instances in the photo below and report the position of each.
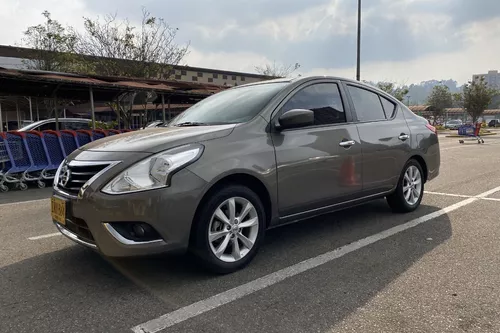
(358, 58)
(408, 97)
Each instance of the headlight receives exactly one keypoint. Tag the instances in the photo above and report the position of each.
(155, 171)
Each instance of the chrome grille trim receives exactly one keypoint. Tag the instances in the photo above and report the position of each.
(86, 183)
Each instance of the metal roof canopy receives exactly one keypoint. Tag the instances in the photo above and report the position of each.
(97, 88)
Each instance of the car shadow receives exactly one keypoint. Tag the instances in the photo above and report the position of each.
(84, 287)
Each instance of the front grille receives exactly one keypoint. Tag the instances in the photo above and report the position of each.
(80, 228)
(73, 177)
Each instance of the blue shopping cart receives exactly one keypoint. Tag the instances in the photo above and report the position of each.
(68, 141)
(19, 161)
(55, 153)
(40, 163)
(84, 137)
(4, 161)
(471, 131)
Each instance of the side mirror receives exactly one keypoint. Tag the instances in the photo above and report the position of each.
(296, 118)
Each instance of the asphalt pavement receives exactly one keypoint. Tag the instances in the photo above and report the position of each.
(361, 270)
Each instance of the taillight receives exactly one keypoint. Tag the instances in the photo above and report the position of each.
(431, 128)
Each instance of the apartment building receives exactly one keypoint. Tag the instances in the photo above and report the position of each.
(492, 78)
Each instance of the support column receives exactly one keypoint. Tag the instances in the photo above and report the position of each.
(31, 109)
(163, 108)
(1, 121)
(56, 113)
(92, 108)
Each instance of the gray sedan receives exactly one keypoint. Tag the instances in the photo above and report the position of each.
(241, 161)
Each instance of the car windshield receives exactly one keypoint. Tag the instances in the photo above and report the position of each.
(237, 105)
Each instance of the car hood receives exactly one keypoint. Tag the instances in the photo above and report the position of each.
(154, 140)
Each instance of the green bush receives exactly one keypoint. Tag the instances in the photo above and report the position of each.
(104, 125)
(440, 127)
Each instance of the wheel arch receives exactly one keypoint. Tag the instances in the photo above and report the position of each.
(244, 179)
(422, 163)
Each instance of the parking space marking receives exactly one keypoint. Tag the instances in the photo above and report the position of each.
(461, 196)
(450, 194)
(200, 307)
(24, 202)
(45, 236)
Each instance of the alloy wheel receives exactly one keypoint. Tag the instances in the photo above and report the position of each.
(412, 185)
(233, 229)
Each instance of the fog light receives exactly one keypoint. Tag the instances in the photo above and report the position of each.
(136, 231)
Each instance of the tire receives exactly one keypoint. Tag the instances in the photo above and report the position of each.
(397, 200)
(23, 186)
(4, 188)
(41, 184)
(208, 222)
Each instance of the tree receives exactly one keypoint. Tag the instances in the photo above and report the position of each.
(52, 46)
(476, 97)
(117, 48)
(277, 70)
(458, 100)
(439, 99)
(390, 88)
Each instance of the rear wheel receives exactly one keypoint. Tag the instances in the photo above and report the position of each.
(4, 188)
(410, 189)
(23, 186)
(229, 229)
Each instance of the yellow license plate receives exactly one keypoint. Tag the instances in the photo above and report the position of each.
(58, 210)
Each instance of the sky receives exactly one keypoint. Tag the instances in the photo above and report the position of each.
(403, 41)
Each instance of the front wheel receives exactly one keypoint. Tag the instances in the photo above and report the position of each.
(410, 189)
(229, 229)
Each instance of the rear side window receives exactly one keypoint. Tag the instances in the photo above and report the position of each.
(76, 125)
(322, 98)
(367, 104)
(389, 107)
(48, 126)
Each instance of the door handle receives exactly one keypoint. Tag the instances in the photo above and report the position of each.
(347, 144)
(404, 137)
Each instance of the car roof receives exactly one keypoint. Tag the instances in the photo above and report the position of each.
(301, 79)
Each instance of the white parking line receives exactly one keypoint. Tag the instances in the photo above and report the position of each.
(450, 194)
(198, 308)
(45, 236)
(24, 202)
(461, 196)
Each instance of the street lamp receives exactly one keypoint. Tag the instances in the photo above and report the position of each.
(358, 60)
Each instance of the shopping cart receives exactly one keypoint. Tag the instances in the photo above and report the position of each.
(471, 131)
(4, 162)
(20, 161)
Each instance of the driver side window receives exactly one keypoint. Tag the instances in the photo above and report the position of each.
(323, 99)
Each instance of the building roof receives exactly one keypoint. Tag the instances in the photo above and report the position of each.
(73, 86)
(27, 53)
(419, 108)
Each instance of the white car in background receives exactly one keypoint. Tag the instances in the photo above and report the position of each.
(64, 124)
(453, 124)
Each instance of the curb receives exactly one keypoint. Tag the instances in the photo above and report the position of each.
(461, 136)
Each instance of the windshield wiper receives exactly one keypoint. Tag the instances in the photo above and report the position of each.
(191, 123)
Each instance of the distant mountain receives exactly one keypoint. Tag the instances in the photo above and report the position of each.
(420, 92)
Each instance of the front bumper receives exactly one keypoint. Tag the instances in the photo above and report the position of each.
(170, 211)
